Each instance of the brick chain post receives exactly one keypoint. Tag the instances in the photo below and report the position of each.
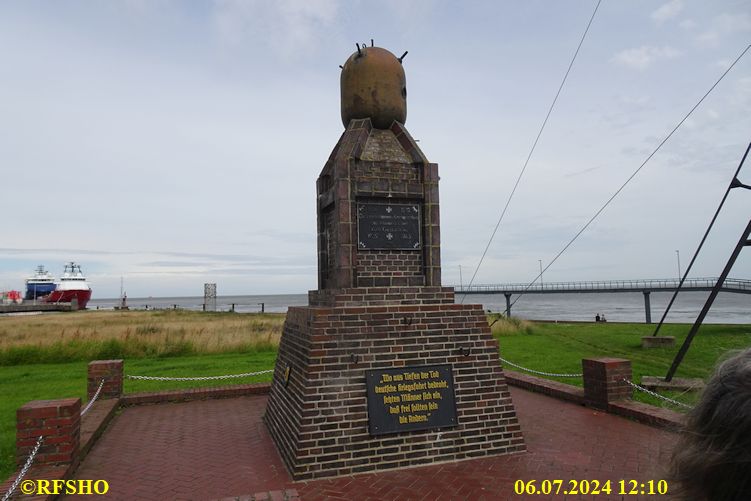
(604, 381)
(58, 421)
(111, 371)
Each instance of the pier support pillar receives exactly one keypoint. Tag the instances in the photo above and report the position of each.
(508, 304)
(647, 307)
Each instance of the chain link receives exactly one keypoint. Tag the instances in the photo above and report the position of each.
(538, 372)
(25, 469)
(198, 378)
(93, 399)
(654, 394)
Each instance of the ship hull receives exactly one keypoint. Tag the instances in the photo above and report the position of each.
(34, 291)
(66, 296)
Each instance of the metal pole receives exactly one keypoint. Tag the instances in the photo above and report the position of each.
(712, 295)
(733, 184)
(508, 304)
(461, 286)
(540, 261)
(678, 255)
(647, 307)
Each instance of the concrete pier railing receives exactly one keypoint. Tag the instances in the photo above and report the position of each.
(645, 286)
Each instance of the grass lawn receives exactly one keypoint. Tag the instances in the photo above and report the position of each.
(559, 348)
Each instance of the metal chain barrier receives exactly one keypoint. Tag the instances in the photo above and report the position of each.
(654, 394)
(198, 378)
(538, 372)
(25, 469)
(93, 399)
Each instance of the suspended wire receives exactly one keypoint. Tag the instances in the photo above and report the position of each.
(532, 150)
(649, 157)
(704, 238)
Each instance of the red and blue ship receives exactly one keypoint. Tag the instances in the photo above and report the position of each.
(71, 286)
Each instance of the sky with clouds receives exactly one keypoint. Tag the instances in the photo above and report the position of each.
(174, 143)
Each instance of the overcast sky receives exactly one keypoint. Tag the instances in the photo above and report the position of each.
(174, 143)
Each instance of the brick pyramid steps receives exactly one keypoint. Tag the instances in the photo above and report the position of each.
(317, 412)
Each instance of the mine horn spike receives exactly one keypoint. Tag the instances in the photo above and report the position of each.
(358, 49)
(403, 55)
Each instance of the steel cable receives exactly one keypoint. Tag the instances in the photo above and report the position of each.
(649, 157)
(532, 150)
(198, 378)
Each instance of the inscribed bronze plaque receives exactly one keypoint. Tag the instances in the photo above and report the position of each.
(388, 226)
(410, 398)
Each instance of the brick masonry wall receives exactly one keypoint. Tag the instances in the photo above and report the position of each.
(347, 178)
(377, 177)
(382, 146)
(554, 389)
(379, 296)
(188, 394)
(393, 264)
(319, 420)
(58, 421)
(380, 181)
(326, 254)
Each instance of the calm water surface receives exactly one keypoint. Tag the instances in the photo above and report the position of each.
(620, 307)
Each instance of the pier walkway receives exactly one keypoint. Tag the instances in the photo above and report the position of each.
(645, 286)
(640, 285)
(33, 307)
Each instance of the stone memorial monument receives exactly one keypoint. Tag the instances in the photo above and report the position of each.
(383, 369)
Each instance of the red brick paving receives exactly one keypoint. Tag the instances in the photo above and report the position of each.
(219, 448)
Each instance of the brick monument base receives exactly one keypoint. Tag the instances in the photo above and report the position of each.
(318, 411)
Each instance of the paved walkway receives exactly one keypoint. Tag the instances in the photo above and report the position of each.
(218, 448)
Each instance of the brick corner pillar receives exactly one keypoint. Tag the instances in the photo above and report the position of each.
(604, 381)
(58, 421)
(111, 371)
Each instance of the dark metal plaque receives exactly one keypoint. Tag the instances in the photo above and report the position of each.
(388, 226)
(410, 398)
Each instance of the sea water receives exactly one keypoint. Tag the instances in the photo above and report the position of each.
(728, 308)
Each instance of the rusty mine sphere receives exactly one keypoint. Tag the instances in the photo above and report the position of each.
(374, 86)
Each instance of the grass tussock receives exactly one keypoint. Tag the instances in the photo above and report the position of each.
(505, 326)
(93, 335)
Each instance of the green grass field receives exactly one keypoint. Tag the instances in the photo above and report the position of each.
(218, 346)
(559, 348)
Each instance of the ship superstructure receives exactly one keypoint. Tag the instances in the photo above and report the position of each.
(72, 285)
(40, 284)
